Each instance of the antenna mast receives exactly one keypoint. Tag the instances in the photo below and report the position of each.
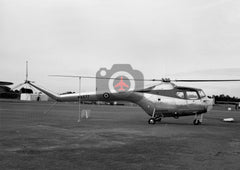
(26, 70)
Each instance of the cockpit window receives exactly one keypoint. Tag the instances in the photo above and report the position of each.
(192, 95)
(180, 94)
(201, 94)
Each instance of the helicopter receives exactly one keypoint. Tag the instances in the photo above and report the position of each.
(165, 99)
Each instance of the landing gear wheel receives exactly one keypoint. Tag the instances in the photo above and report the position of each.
(151, 121)
(196, 122)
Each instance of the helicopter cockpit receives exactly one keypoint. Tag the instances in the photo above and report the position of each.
(190, 93)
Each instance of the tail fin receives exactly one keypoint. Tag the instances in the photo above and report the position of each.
(47, 92)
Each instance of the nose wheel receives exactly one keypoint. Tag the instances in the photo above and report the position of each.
(198, 120)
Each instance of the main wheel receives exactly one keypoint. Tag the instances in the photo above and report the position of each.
(151, 121)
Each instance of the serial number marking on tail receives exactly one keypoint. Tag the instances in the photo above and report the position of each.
(85, 96)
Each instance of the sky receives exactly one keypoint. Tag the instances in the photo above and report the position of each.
(176, 39)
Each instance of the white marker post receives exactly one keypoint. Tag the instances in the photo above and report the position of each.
(79, 100)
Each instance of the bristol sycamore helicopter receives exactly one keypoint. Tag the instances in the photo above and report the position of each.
(165, 99)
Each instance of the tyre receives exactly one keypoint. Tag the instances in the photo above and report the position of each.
(151, 121)
(196, 122)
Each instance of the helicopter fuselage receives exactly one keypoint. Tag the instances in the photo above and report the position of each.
(173, 101)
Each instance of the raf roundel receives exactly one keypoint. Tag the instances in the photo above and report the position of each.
(106, 95)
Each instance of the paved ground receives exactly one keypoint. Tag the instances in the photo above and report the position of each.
(114, 137)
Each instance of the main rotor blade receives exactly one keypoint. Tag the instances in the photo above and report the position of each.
(5, 83)
(107, 78)
(167, 80)
(15, 87)
(226, 80)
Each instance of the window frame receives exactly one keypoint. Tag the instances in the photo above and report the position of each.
(184, 95)
(201, 92)
(192, 91)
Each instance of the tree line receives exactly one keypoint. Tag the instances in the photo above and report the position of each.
(226, 98)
